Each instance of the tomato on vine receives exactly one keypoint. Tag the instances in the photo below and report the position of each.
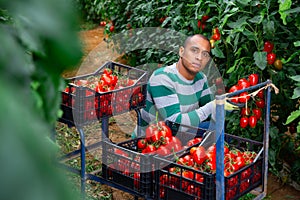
(253, 79)
(243, 83)
(271, 57)
(244, 122)
(244, 97)
(252, 121)
(257, 112)
(278, 64)
(260, 103)
(268, 46)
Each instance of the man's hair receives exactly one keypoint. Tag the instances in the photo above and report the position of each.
(189, 38)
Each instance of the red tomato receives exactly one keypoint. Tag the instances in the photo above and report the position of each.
(243, 83)
(212, 165)
(205, 18)
(216, 36)
(102, 23)
(252, 121)
(253, 79)
(243, 98)
(245, 112)
(260, 103)
(164, 128)
(142, 143)
(150, 148)
(150, 131)
(163, 151)
(260, 94)
(271, 57)
(234, 88)
(111, 28)
(244, 122)
(194, 141)
(199, 23)
(107, 71)
(199, 155)
(192, 150)
(106, 78)
(256, 112)
(136, 178)
(203, 26)
(240, 161)
(268, 47)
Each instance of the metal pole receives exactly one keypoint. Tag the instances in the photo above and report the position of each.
(82, 157)
(266, 138)
(220, 115)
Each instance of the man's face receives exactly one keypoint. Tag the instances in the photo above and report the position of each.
(195, 55)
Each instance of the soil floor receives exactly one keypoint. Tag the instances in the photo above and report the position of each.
(93, 42)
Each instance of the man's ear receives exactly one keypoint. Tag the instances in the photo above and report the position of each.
(181, 51)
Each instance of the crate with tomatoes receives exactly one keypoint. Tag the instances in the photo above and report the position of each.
(192, 175)
(131, 163)
(111, 90)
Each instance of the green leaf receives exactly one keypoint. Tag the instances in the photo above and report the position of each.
(250, 35)
(217, 52)
(232, 68)
(284, 5)
(260, 59)
(296, 78)
(268, 27)
(296, 93)
(244, 2)
(294, 115)
(297, 44)
(256, 19)
(239, 23)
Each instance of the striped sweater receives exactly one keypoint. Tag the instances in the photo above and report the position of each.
(176, 98)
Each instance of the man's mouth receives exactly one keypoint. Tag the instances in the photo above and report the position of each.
(196, 65)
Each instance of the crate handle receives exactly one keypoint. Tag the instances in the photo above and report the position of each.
(257, 156)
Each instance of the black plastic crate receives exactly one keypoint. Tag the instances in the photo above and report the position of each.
(82, 103)
(124, 164)
(128, 168)
(201, 185)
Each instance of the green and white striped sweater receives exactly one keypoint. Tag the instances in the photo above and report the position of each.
(176, 98)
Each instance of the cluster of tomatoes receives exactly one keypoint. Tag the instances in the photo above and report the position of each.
(271, 56)
(251, 113)
(200, 160)
(160, 140)
(110, 24)
(215, 37)
(202, 23)
(99, 99)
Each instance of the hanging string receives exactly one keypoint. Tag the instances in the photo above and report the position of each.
(253, 94)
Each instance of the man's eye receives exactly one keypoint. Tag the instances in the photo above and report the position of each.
(194, 50)
(205, 54)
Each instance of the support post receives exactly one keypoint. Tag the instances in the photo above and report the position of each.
(220, 120)
(82, 158)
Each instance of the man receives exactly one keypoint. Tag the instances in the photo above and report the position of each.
(180, 92)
